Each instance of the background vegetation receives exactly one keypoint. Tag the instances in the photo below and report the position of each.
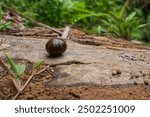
(129, 19)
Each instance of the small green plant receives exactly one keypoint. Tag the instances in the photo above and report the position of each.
(17, 71)
(3, 25)
(37, 65)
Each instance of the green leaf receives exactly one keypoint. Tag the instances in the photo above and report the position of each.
(148, 19)
(142, 26)
(20, 69)
(17, 69)
(1, 13)
(5, 25)
(12, 64)
(131, 16)
(121, 14)
(38, 64)
(113, 14)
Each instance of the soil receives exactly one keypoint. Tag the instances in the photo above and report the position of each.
(53, 83)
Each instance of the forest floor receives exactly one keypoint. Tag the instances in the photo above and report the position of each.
(93, 67)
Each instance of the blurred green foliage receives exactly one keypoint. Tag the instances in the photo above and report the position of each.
(103, 17)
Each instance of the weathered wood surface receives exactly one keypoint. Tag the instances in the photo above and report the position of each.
(83, 64)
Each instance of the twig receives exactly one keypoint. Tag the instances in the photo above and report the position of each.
(3, 75)
(43, 25)
(9, 72)
(4, 66)
(65, 33)
(27, 82)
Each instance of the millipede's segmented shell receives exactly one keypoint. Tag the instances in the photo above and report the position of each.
(56, 46)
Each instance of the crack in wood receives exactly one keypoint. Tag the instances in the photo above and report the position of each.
(68, 63)
(87, 42)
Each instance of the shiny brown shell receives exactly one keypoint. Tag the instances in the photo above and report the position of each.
(56, 46)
